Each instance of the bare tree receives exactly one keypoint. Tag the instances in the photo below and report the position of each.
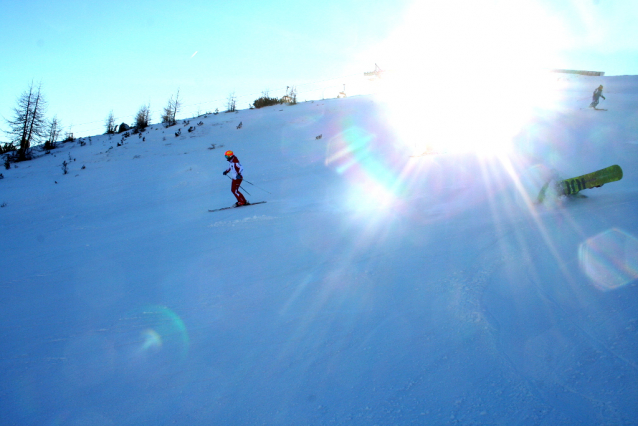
(169, 118)
(231, 106)
(291, 95)
(143, 117)
(110, 123)
(68, 137)
(28, 124)
(53, 132)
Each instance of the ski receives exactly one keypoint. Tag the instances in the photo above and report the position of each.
(235, 207)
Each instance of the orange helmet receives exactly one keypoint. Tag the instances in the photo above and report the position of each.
(229, 154)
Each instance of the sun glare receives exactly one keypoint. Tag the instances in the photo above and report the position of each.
(468, 74)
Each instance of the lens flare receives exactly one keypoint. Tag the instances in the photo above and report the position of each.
(610, 259)
(162, 332)
(152, 339)
(469, 79)
(367, 164)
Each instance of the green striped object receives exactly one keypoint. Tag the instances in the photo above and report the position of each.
(590, 180)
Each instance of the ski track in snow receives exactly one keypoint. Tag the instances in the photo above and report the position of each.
(244, 221)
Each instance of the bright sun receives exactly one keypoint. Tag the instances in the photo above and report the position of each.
(468, 74)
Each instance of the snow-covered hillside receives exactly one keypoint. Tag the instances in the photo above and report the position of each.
(376, 286)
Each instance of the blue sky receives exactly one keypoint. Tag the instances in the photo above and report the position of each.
(94, 57)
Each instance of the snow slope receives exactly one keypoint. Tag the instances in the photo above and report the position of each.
(372, 288)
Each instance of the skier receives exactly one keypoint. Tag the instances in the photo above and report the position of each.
(235, 170)
(598, 93)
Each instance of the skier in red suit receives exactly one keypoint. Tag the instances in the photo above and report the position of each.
(235, 169)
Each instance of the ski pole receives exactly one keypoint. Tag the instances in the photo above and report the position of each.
(239, 186)
(257, 186)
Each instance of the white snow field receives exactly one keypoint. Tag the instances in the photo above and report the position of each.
(375, 286)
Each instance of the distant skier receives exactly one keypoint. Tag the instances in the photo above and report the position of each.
(235, 170)
(598, 93)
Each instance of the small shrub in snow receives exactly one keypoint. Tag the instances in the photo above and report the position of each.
(110, 124)
(231, 104)
(7, 162)
(291, 96)
(171, 110)
(7, 147)
(143, 117)
(265, 101)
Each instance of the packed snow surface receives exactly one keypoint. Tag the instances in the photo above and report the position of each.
(399, 273)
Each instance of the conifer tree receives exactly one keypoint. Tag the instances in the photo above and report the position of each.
(28, 124)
